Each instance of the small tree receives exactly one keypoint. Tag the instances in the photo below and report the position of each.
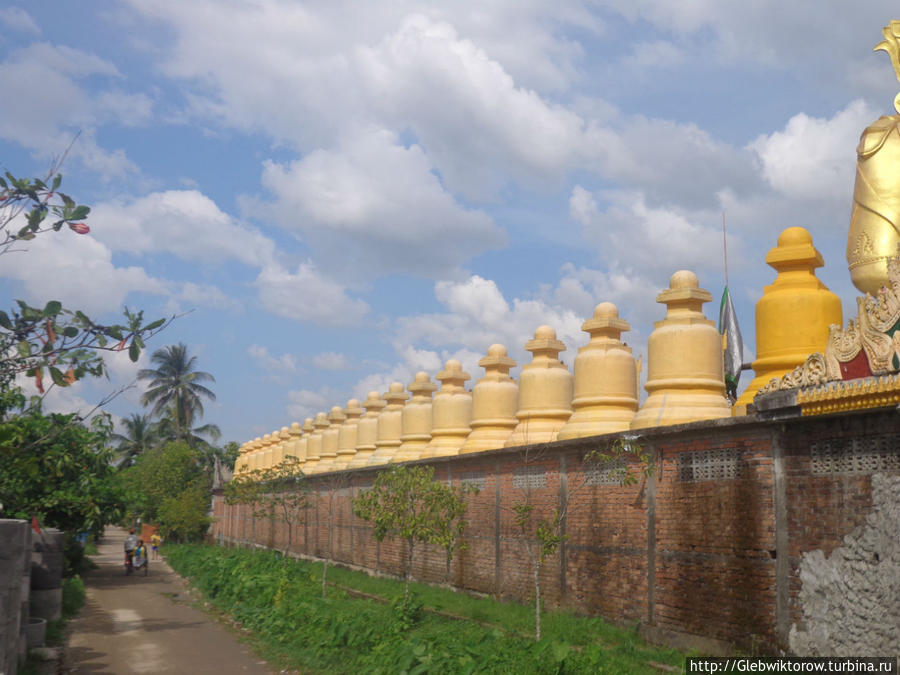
(407, 502)
(335, 481)
(279, 492)
(541, 537)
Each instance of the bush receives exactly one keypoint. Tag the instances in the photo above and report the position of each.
(73, 596)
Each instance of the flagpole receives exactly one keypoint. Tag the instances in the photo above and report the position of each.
(725, 247)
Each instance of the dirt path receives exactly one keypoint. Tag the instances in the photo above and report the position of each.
(139, 624)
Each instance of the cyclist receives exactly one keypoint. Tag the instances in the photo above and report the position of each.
(131, 542)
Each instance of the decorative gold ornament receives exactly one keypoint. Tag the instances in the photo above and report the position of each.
(891, 45)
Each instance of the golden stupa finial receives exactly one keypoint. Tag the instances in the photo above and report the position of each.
(891, 45)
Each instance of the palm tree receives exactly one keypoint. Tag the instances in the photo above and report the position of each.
(169, 430)
(140, 435)
(175, 387)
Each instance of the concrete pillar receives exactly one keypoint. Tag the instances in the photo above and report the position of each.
(685, 373)
(545, 391)
(415, 420)
(347, 434)
(451, 412)
(495, 399)
(389, 425)
(606, 395)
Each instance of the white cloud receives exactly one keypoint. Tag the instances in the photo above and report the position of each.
(814, 158)
(17, 19)
(185, 223)
(650, 242)
(304, 403)
(42, 124)
(331, 361)
(307, 295)
(375, 207)
(478, 315)
(669, 161)
(465, 108)
(286, 363)
(78, 271)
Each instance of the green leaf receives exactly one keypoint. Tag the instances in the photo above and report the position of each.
(24, 348)
(80, 212)
(153, 326)
(58, 378)
(115, 332)
(52, 308)
(57, 226)
(57, 179)
(35, 217)
(67, 200)
(70, 331)
(134, 351)
(4, 321)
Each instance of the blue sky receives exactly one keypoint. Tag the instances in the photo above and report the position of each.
(340, 194)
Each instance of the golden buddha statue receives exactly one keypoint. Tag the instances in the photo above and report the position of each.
(875, 219)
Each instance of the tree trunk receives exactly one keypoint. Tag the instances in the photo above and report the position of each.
(409, 563)
(537, 602)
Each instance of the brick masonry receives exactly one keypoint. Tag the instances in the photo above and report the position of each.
(713, 550)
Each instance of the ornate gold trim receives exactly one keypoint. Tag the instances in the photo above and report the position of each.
(868, 392)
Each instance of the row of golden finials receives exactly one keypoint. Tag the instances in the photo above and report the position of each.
(548, 402)
(685, 381)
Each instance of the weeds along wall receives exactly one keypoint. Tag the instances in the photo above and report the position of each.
(734, 541)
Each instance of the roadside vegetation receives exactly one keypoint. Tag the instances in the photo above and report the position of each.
(279, 602)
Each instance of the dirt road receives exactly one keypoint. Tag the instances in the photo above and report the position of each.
(139, 624)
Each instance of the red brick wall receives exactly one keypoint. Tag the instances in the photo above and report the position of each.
(681, 551)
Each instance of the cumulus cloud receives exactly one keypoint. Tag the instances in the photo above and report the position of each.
(78, 271)
(305, 403)
(307, 295)
(286, 363)
(814, 158)
(38, 121)
(17, 19)
(478, 315)
(375, 207)
(631, 236)
(185, 223)
(466, 109)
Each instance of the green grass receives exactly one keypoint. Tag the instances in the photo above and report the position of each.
(294, 627)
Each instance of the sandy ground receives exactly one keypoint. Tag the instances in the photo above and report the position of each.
(138, 624)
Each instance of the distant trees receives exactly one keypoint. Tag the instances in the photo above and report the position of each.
(168, 485)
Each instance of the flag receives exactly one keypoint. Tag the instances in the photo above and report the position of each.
(734, 344)
(35, 525)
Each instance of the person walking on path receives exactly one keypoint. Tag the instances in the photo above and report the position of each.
(155, 540)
